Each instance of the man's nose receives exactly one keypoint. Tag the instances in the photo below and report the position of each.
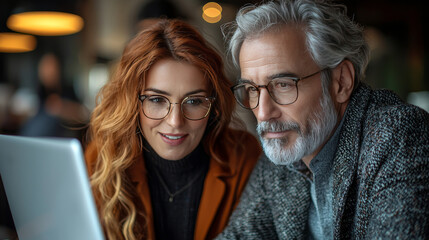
(267, 108)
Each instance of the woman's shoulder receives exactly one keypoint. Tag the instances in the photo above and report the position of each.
(244, 137)
(91, 154)
(245, 148)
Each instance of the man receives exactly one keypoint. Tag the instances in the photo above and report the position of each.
(349, 162)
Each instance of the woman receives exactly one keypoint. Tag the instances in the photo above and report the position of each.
(163, 161)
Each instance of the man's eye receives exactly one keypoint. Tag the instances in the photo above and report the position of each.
(284, 85)
(251, 88)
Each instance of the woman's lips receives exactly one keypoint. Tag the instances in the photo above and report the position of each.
(173, 139)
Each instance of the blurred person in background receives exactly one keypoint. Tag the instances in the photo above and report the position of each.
(59, 113)
(163, 159)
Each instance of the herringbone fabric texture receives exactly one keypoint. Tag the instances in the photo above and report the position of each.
(381, 179)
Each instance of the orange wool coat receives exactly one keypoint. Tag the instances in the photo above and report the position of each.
(222, 187)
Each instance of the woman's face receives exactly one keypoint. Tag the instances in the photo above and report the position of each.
(174, 136)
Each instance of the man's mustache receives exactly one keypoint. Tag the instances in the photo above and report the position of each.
(277, 126)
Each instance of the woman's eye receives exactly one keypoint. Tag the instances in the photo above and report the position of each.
(194, 101)
(157, 100)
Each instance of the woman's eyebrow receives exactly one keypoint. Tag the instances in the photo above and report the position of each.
(155, 90)
(196, 91)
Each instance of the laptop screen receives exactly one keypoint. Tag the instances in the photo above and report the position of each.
(47, 187)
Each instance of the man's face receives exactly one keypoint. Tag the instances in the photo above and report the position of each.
(296, 131)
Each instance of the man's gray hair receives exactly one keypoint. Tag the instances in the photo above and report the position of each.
(331, 36)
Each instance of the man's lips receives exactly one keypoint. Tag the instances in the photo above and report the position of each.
(275, 134)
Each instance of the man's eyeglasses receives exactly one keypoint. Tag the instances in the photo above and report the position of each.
(283, 90)
(193, 107)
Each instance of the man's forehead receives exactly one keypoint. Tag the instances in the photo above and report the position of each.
(275, 52)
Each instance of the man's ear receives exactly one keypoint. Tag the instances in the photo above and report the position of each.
(343, 79)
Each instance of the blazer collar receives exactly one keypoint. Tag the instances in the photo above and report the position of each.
(217, 169)
(347, 154)
(213, 193)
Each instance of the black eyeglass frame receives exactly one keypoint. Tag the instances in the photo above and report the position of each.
(142, 97)
(295, 79)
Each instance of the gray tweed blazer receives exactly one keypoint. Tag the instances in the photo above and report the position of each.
(381, 179)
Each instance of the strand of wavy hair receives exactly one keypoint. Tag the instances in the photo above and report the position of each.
(117, 144)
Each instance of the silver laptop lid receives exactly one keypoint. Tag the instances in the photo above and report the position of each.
(48, 189)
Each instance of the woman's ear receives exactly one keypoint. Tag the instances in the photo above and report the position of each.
(343, 81)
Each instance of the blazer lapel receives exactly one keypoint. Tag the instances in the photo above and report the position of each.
(344, 174)
(138, 176)
(346, 160)
(213, 193)
(291, 214)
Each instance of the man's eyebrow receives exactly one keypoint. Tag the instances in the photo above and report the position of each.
(155, 90)
(243, 80)
(271, 77)
(282, 75)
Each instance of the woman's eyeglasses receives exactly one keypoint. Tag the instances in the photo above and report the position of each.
(157, 107)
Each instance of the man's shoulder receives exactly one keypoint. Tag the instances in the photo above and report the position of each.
(276, 176)
(395, 135)
(385, 129)
(385, 109)
(388, 111)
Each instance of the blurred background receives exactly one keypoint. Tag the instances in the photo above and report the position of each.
(48, 85)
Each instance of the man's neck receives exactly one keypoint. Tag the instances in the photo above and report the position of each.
(307, 159)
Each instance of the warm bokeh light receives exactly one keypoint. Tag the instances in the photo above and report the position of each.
(45, 23)
(212, 12)
(212, 19)
(212, 5)
(16, 42)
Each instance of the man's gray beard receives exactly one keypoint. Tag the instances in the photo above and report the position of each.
(320, 125)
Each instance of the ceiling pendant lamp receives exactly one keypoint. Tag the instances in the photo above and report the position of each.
(16, 42)
(45, 18)
(45, 23)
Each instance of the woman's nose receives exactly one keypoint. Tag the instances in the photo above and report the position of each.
(175, 117)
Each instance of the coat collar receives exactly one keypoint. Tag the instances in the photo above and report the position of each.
(213, 193)
(138, 173)
(346, 159)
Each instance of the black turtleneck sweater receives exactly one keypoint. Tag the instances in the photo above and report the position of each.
(176, 219)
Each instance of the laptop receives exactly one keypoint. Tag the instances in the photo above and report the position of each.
(48, 190)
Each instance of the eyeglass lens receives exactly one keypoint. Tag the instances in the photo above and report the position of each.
(283, 91)
(193, 107)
